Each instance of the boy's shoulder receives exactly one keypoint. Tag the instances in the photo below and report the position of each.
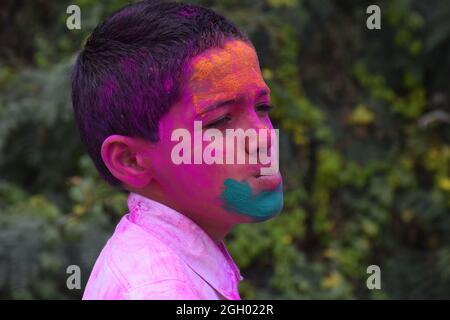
(134, 258)
(134, 250)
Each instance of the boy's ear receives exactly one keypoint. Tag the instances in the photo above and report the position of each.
(128, 159)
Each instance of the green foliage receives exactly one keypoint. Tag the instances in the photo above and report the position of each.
(366, 173)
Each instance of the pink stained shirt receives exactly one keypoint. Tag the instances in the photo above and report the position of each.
(158, 253)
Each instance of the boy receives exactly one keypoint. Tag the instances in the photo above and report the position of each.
(150, 69)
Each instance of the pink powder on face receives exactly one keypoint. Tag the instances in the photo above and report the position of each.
(215, 74)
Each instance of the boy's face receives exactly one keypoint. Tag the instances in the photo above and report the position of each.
(219, 194)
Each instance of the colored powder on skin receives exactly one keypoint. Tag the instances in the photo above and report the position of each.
(238, 198)
(217, 74)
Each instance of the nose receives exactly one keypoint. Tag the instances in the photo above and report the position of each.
(261, 141)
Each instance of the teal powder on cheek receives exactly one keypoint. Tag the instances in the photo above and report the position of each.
(238, 198)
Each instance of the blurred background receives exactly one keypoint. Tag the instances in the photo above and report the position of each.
(364, 120)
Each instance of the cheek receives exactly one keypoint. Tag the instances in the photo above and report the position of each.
(203, 180)
(207, 177)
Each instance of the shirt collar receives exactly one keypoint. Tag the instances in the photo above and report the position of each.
(209, 260)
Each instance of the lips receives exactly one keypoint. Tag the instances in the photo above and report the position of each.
(265, 182)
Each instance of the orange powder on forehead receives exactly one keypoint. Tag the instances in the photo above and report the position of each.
(216, 62)
(219, 72)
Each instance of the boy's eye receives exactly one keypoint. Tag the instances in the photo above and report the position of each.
(219, 122)
(264, 108)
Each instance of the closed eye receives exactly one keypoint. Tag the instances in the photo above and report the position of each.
(218, 123)
(264, 107)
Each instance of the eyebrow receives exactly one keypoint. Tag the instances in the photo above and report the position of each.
(219, 104)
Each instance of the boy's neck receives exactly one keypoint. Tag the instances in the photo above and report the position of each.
(216, 233)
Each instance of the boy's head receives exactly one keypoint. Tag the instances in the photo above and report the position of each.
(155, 67)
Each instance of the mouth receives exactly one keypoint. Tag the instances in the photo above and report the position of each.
(266, 182)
